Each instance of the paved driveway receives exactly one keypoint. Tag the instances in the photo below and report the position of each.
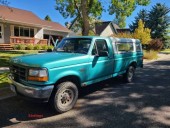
(111, 104)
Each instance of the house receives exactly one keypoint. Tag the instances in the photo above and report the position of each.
(21, 26)
(106, 28)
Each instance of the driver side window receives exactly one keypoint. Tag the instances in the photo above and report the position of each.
(99, 46)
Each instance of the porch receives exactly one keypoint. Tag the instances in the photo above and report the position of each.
(21, 40)
(27, 40)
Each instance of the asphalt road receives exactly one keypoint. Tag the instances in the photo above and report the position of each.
(145, 103)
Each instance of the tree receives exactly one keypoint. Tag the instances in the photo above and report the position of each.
(47, 18)
(159, 21)
(167, 38)
(143, 15)
(124, 8)
(82, 10)
(4, 2)
(142, 33)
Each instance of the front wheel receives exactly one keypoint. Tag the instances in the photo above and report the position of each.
(128, 76)
(65, 97)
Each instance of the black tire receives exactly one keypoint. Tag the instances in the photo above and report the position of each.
(129, 75)
(64, 97)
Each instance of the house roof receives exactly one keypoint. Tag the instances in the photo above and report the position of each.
(123, 30)
(100, 27)
(27, 17)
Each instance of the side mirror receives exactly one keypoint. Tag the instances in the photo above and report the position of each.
(102, 54)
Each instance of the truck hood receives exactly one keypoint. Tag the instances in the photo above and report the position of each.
(50, 59)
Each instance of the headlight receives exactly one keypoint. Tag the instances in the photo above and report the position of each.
(33, 72)
(38, 75)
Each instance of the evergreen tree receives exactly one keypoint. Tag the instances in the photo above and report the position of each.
(47, 18)
(167, 38)
(159, 21)
(143, 15)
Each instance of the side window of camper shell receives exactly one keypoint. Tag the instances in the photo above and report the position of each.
(125, 47)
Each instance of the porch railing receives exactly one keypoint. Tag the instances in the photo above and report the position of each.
(27, 40)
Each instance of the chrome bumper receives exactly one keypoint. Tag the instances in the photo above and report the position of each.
(32, 92)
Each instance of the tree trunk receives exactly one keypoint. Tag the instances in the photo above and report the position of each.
(85, 19)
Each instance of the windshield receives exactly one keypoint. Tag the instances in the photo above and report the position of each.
(74, 45)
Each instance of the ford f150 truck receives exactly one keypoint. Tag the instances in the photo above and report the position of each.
(57, 76)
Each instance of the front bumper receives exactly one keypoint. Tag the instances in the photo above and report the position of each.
(32, 92)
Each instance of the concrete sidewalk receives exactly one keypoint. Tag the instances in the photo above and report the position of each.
(4, 69)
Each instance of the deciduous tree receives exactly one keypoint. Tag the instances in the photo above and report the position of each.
(82, 10)
(142, 33)
(124, 8)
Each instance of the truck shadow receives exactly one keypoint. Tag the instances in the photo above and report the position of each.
(143, 103)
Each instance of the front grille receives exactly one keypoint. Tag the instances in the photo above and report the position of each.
(18, 72)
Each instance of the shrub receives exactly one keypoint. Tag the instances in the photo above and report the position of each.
(29, 47)
(150, 55)
(155, 44)
(19, 47)
(51, 47)
(44, 47)
(37, 47)
(15, 47)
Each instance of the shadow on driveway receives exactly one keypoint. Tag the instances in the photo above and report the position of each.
(111, 103)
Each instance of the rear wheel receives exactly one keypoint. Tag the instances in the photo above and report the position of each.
(129, 75)
(65, 97)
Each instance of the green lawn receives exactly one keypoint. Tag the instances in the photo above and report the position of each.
(6, 55)
(166, 51)
(4, 62)
(4, 81)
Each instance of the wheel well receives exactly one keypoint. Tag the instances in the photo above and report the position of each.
(71, 78)
(134, 64)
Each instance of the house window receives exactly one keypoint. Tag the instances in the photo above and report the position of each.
(0, 32)
(26, 32)
(23, 31)
(16, 31)
(31, 32)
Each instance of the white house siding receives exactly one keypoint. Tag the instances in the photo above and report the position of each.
(6, 33)
(39, 33)
(107, 31)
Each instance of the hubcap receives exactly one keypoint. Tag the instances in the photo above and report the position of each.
(66, 97)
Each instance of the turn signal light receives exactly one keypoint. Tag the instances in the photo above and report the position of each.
(34, 78)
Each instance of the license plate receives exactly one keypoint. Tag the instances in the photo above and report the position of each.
(13, 88)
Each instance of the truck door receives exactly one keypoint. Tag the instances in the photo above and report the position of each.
(101, 66)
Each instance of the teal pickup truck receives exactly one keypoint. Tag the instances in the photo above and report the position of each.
(57, 76)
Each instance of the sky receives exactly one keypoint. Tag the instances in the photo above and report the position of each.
(47, 7)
